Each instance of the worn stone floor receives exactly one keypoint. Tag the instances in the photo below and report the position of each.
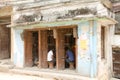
(10, 76)
(9, 72)
(115, 79)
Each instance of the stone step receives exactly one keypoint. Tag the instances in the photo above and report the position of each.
(53, 75)
(6, 68)
(114, 79)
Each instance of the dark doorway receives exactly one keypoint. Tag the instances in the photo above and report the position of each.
(102, 42)
(38, 43)
(4, 42)
(65, 39)
(31, 48)
(51, 45)
(35, 48)
(70, 44)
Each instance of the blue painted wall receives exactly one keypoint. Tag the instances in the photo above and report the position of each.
(87, 50)
(18, 48)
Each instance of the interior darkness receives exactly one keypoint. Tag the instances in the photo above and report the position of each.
(70, 43)
(35, 48)
(51, 44)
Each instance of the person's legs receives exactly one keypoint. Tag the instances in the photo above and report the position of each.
(71, 65)
(67, 63)
(50, 64)
(54, 62)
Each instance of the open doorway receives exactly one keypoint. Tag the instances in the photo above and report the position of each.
(66, 50)
(5, 38)
(4, 42)
(31, 48)
(70, 45)
(51, 46)
(35, 48)
(38, 43)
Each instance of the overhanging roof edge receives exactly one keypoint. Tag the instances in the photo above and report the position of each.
(61, 22)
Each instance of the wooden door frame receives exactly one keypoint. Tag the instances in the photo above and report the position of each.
(57, 44)
(25, 45)
(55, 33)
(25, 48)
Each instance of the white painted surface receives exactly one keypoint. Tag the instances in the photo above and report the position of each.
(18, 48)
(116, 40)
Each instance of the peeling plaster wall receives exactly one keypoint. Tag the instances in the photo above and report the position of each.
(116, 40)
(89, 60)
(116, 35)
(18, 48)
(104, 65)
(53, 12)
(87, 50)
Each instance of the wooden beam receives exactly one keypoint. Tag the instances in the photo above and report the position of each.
(44, 48)
(28, 48)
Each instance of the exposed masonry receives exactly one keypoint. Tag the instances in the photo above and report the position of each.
(82, 11)
(59, 15)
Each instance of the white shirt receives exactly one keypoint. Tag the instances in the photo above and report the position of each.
(49, 55)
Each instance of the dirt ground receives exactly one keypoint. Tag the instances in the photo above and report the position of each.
(10, 76)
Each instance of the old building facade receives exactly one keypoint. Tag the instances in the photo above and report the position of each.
(116, 41)
(82, 25)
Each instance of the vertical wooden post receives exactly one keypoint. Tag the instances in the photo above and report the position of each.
(54, 33)
(60, 53)
(40, 48)
(75, 35)
(12, 44)
(75, 32)
(44, 49)
(28, 48)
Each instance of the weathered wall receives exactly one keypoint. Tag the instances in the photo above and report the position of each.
(83, 43)
(115, 35)
(4, 42)
(116, 40)
(6, 11)
(89, 56)
(58, 11)
(117, 28)
(18, 48)
(87, 50)
(104, 65)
